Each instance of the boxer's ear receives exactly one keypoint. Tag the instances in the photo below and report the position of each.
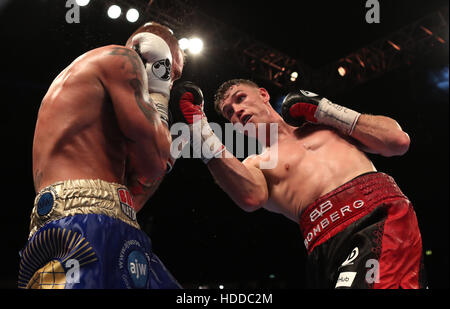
(265, 95)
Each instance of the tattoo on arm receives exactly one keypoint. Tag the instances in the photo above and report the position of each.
(145, 103)
(148, 108)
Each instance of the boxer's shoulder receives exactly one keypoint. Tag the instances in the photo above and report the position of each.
(118, 50)
(107, 50)
(115, 60)
(104, 57)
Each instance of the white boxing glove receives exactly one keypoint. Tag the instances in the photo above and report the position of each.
(157, 58)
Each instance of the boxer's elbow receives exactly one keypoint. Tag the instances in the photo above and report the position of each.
(398, 146)
(403, 143)
(252, 202)
(249, 205)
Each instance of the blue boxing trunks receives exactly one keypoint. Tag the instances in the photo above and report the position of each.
(84, 235)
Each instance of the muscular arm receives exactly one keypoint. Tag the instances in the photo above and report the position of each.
(381, 135)
(376, 134)
(242, 181)
(148, 139)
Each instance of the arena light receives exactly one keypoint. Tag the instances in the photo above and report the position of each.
(294, 76)
(394, 45)
(82, 2)
(114, 11)
(195, 46)
(132, 15)
(342, 71)
(183, 43)
(427, 31)
(361, 63)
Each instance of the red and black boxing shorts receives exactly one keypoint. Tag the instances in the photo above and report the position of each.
(365, 235)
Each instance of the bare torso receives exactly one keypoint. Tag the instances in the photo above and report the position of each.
(312, 161)
(77, 135)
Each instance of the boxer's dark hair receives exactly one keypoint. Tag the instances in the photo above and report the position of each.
(220, 93)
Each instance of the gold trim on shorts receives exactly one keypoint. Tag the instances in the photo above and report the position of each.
(82, 196)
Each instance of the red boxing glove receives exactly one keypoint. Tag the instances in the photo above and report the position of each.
(304, 106)
(299, 107)
(186, 101)
(186, 105)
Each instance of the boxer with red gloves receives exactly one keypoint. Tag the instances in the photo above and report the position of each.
(359, 229)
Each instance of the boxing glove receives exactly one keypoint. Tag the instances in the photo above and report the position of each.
(186, 105)
(304, 106)
(157, 59)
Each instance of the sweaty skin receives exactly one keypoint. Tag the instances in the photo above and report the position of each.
(312, 160)
(97, 121)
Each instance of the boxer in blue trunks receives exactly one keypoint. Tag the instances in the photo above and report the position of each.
(101, 148)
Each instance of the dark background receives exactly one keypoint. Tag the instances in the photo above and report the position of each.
(197, 231)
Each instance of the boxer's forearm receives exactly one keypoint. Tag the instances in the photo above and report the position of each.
(245, 186)
(381, 135)
(150, 155)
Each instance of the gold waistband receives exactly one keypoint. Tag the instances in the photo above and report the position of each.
(84, 196)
